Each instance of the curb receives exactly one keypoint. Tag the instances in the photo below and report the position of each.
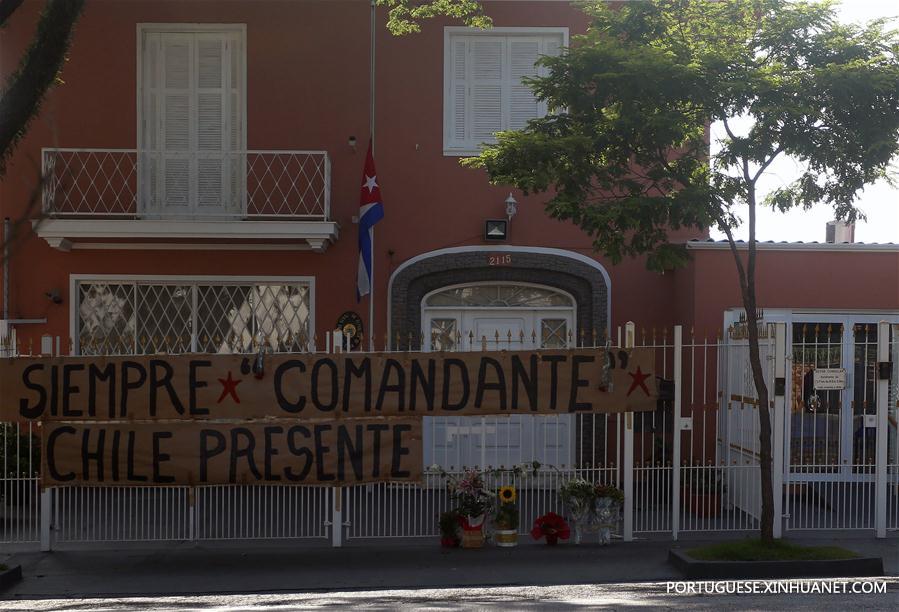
(692, 568)
(10, 577)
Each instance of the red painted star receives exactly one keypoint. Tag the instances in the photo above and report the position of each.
(229, 387)
(639, 380)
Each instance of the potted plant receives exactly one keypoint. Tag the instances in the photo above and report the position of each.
(450, 523)
(506, 518)
(551, 526)
(473, 501)
(703, 491)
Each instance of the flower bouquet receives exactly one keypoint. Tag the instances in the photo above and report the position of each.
(506, 518)
(579, 497)
(473, 502)
(607, 510)
(552, 526)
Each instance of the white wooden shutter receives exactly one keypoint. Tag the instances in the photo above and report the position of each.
(192, 123)
(236, 168)
(459, 113)
(552, 46)
(175, 123)
(148, 157)
(523, 55)
(212, 102)
(488, 75)
(484, 89)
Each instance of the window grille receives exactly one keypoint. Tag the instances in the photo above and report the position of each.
(138, 318)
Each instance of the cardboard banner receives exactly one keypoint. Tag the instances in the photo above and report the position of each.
(326, 387)
(155, 454)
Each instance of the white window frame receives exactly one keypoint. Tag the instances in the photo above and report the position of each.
(172, 279)
(230, 28)
(450, 32)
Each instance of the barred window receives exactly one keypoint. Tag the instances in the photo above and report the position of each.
(144, 317)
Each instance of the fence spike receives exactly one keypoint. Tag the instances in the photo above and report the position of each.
(484, 343)
(593, 337)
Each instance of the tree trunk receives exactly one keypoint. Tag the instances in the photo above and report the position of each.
(765, 459)
(747, 288)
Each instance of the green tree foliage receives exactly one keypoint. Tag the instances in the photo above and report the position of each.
(625, 155)
(404, 16)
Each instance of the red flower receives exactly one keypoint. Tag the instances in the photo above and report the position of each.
(550, 524)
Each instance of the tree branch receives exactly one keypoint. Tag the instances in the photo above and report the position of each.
(36, 74)
(7, 8)
(767, 163)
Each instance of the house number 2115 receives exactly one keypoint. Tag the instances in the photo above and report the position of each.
(499, 259)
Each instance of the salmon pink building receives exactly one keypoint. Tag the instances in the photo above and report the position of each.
(203, 162)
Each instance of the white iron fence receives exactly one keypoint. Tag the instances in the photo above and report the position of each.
(690, 466)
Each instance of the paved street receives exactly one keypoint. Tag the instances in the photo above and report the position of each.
(649, 595)
(388, 575)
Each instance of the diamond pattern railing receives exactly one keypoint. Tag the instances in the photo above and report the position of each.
(128, 318)
(104, 183)
(285, 183)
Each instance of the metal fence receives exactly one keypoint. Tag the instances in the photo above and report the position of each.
(691, 466)
(104, 183)
(19, 491)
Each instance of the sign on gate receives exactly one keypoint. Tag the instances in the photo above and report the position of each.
(829, 379)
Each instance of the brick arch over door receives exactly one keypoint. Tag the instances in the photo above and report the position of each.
(570, 272)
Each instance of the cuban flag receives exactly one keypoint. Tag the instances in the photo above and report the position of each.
(371, 210)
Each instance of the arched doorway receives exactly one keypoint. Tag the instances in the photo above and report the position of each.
(498, 316)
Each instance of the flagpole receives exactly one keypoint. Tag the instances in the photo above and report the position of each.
(371, 281)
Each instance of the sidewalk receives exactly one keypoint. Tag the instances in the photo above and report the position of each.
(303, 567)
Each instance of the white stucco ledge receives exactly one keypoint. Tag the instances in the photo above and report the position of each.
(168, 234)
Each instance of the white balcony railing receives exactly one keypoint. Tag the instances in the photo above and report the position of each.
(104, 183)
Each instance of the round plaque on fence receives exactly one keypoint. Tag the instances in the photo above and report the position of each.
(350, 323)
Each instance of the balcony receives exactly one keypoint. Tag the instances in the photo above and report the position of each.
(253, 200)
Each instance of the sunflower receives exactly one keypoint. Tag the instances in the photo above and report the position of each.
(507, 495)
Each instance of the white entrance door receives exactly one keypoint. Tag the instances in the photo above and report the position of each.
(503, 324)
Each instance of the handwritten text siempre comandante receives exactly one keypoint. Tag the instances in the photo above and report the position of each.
(327, 387)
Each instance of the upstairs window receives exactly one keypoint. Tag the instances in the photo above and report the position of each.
(483, 89)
